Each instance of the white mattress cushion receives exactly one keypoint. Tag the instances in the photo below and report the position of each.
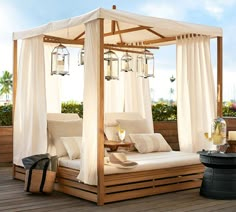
(148, 161)
(146, 143)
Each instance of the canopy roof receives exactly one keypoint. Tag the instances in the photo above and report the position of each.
(119, 27)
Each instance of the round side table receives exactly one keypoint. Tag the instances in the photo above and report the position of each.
(219, 179)
(114, 145)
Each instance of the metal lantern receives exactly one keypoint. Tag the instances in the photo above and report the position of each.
(111, 65)
(145, 64)
(126, 61)
(60, 60)
(172, 78)
(81, 57)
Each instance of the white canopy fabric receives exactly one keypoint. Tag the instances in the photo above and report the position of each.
(71, 28)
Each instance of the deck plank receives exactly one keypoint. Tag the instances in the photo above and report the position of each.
(13, 198)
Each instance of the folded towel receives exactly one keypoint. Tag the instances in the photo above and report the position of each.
(119, 160)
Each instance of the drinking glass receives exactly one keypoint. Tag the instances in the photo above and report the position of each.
(121, 134)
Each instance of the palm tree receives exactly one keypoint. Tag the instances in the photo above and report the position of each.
(6, 84)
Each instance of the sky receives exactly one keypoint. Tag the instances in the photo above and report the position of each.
(18, 15)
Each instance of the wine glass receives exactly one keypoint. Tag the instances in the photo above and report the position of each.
(121, 134)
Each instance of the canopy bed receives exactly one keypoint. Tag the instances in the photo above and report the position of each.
(120, 31)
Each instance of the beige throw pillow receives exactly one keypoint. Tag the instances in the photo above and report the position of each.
(73, 146)
(58, 129)
(111, 133)
(133, 127)
(146, 143)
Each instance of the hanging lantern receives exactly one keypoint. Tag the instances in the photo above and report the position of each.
(60, 60)
(145, 64)
(172, 78)
(111, 65)
(126, 61)
(81, 57)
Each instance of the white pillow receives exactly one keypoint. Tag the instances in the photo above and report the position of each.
(110, 119)
(146, 143)
(133, 127)
(57, 129)
(73, 146)
(111, 133)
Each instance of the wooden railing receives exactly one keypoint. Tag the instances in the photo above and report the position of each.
(6, 145)
(169, 131)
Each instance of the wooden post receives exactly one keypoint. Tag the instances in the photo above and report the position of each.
(100, 106)
(14, 91)
(113, 23)
(219, 75)
(14, 72)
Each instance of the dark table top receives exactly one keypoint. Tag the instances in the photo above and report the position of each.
(219, 160)
(217, 154)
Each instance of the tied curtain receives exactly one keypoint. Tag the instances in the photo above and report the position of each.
(88, 165)
(196, 98)
(30, 121)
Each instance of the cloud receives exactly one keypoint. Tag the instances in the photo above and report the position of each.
(162, 10)
(215, 11)
(11, 20)
(217, 8)
(182, 9)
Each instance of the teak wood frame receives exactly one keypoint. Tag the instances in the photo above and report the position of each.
(130, 185)
(117, 187)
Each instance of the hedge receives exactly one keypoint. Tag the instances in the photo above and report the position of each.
(72, 107)
(164, 112)
(6, 115)
(160, 111)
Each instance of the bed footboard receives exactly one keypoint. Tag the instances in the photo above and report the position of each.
(146, 183)
(127, 185)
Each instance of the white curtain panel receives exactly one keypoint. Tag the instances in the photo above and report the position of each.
(30, 121)
(88, 171)
(53, 82)
(137, 95)
(129, 94)
(114, 92)
(196, 97)
(114, 95)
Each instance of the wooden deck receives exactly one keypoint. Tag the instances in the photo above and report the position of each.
(13, 198)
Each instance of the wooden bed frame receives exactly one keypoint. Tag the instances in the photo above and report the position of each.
(127, 185)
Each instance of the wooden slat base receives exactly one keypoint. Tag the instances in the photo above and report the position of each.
(139, 184)
(128, 185)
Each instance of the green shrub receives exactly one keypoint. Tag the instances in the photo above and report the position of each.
(229, 109)
(160, 111)
(6, 115)
(72, 107)
(164, 112)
